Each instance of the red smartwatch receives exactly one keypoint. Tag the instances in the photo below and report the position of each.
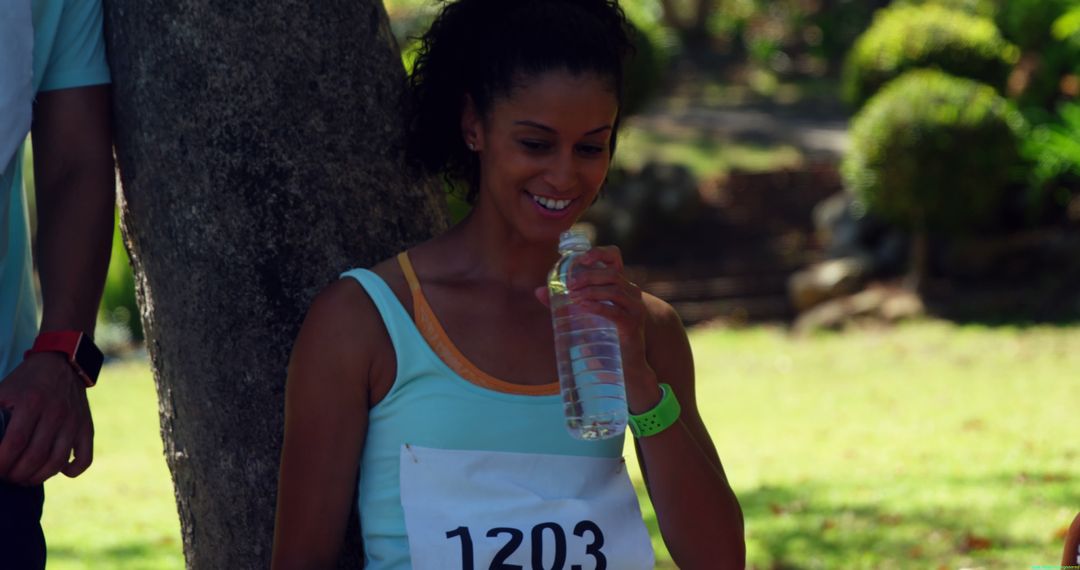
(80, 350)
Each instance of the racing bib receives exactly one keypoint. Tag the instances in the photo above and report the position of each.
(481, 510)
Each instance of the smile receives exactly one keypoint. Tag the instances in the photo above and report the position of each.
(550, 203)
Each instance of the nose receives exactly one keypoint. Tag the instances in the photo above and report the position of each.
(561, 173)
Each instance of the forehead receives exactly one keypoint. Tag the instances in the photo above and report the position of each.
(559, 99)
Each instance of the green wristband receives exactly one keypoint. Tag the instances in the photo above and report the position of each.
(658, 419)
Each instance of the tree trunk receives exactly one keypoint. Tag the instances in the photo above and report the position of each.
(260, 147)
(919, 271)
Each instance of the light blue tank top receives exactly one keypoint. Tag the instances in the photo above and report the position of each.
(430, 405)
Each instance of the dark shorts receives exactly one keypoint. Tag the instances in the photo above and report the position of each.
(22, 544)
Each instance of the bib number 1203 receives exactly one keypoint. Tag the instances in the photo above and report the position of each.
(536, 546)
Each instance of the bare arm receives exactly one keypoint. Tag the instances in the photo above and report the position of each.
(74, 175)
(698, 513)
(326, 414)
(1071, 556)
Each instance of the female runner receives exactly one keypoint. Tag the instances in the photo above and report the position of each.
(434, 373)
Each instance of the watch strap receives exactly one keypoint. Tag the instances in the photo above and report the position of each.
(658, 419)
(81, 352)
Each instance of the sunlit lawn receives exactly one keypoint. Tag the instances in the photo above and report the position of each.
(923, 447)
(705, 154)
(121, 512)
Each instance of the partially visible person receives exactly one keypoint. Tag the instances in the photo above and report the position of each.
(1071, 556)
(53, 70)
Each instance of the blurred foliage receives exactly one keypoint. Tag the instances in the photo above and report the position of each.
(984, 8)
(118, 305)
(1046, 31)
(655, 47)
(1054, 151)
(933, 151)
(903, 38)
(790, 37)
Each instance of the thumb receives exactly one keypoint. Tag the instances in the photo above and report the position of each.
(542, 296)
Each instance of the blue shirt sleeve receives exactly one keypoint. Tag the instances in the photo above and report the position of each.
(78, 55)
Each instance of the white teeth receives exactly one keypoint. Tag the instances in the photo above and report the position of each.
(550, 203)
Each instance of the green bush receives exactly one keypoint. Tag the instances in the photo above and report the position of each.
(1041, 29)
(933, 151)
(1027, 23)
(903, 38)
(1054, 149)
(984, 8)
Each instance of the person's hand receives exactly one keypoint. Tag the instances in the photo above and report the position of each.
(598, 285)
(50, 419)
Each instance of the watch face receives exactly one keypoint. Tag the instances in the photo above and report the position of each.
(89, 358)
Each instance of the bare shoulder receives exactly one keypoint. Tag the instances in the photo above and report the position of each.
(667, 347)
(344, 309)
(340, 342)
(662, 323)
(389, 270)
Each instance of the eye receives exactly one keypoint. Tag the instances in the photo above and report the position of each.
(535, 145)
(590, 150)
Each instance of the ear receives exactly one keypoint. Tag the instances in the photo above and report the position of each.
(472, 127)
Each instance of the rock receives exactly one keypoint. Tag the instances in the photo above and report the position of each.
(877, 304)
(844, 229)
(828, 280)
(901, 305)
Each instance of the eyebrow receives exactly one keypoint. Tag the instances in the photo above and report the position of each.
(553, 131)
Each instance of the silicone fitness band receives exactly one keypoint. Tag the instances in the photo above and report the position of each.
(658, 419)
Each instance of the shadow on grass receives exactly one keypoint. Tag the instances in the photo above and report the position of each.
(821, 525)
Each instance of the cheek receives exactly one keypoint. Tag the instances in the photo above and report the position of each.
(593, 174)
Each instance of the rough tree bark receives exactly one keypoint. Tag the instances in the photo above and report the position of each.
(260, 151)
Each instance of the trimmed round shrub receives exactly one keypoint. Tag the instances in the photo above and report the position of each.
(903, 38)
(986, 8)
(932, 151)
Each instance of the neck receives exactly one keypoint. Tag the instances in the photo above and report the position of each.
(494, 252)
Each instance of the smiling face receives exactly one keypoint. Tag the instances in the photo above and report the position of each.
(544, 151)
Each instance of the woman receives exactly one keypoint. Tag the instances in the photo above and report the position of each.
(435, 372)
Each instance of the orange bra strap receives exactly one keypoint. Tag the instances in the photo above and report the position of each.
(435, 335)
(410, 274)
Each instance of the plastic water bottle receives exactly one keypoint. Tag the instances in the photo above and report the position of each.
(588, 354)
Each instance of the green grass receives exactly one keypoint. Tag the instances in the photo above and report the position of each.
(121, 512)
(926, 446)
(706, 155)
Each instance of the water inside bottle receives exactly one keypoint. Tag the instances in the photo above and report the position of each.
(590, 371)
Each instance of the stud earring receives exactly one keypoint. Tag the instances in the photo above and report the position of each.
(472, 147)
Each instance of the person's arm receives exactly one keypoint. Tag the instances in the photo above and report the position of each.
(697, 511)
(326, 414)
(1071, 556)
(73, 171)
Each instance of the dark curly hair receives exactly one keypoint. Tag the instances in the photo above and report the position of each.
(485, 48)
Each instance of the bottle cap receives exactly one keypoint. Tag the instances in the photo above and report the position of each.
(574, 240)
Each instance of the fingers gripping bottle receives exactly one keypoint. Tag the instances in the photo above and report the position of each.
(587, 352)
